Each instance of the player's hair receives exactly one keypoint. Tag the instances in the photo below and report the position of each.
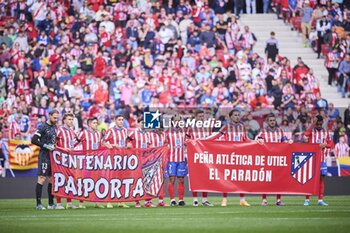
(199, 112)
(117, 116)
(232, 111)
(91, 119)
(270, 115)
(176, 115)
(53, 111)
(68, 114)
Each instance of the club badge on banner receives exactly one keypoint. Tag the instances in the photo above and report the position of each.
(109, 175)
(23, 155)
(218, 166)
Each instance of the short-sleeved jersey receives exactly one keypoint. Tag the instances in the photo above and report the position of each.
(90, 140)
(156, 139)
(321, 137)
(15, 129)
(24, 123)
(275, 135)
(198, 133)
(234, 132)
(116, 136)
(66, 138)
(176, 140)
(341, 149)
(139, 138)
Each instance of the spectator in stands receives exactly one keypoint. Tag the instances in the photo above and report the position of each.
(322, 27)
(271, 47)
(344, 75)
(332, 63)
(306, 13)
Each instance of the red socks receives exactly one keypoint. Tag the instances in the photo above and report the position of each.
(321, 190)
(224, 195)
(171, 190)
(181, 190)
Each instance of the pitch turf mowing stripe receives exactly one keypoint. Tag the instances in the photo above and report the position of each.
(20, 216)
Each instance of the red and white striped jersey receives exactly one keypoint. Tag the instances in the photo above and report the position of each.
(198, 133)
(269, 135)
(66, 138)
(139, 138)
(116, 136)
(235, 132)
(176, 141)
(90, 140)
(321, 137)
(341, 149)
(14, 129)
(156, 139)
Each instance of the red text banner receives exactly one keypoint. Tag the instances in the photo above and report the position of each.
(109, 175)
(218, 166)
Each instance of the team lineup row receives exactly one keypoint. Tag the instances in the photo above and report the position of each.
(48, 137)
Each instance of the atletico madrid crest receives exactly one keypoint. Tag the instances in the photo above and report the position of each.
(153, 177)
(303, 166)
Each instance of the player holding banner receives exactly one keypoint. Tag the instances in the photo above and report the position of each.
(90, 139)
(177, 166)
(67, 140)
(234, 131)
(316, 134)
(45, 138)
(117, 137)
(274, 134)
(139, 139)
(198, 134)
(157, 139)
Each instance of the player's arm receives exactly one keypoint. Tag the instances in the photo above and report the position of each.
(106, 139)
(329, 142)
(36, 139)
(189, 133)
(259, 138)
(76, 139)
(336, 151)
(285, 139)
(218, 134)
(81, 137)
(130, 139)
(245, 135)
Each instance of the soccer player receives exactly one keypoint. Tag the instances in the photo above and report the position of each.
(157, 139)
(117, 137)
(197, 133)
(273, 134)
(67, 140)
(177, 167)
(45, 138)
(90, 139)
(234, 131)
(341, 149)
(139, 139)
(316, 134)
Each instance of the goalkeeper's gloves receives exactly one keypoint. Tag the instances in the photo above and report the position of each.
(49, 146)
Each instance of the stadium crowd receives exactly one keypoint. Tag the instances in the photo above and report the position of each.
(325, 27)
(98, 58)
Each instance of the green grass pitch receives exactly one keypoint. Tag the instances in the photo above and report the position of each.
(19, 215)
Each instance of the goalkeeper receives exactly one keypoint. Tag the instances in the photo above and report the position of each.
(45, 138)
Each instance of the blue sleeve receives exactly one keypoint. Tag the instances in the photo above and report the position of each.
(4, 148)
